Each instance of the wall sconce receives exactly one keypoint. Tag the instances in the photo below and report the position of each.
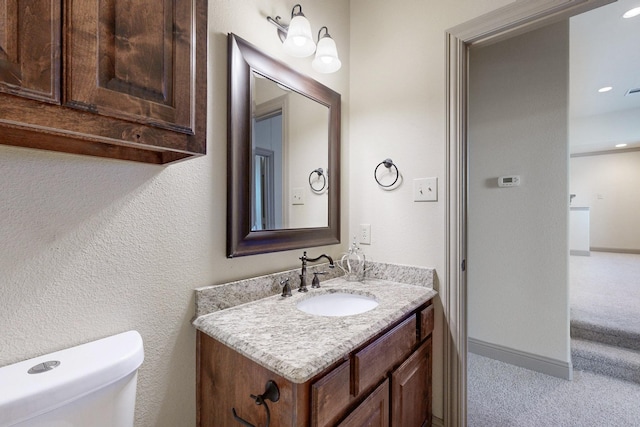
(298, 41)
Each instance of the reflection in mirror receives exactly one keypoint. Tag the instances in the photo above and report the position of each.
(283, 156)
(290, 139)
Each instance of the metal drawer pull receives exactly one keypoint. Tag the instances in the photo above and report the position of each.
(271, 392)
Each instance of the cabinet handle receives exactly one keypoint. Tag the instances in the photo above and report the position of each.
(271, 392)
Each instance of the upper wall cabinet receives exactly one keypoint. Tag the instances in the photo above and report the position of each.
(30, 49)
(124, 80)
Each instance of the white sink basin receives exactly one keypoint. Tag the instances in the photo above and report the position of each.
(337, 304)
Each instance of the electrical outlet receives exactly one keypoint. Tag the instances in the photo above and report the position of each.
(297, 196)
(365, 234)
(425, 190)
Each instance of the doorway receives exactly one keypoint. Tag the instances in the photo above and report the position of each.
(515, 18)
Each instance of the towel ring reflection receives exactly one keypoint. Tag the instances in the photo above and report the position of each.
(388, 163)
(321, 174)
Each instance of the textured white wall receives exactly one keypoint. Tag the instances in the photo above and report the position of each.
(518, 237)
(608, 184)
(92, 247)
(398, 111)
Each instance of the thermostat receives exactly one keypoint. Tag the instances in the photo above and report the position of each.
(509, 181)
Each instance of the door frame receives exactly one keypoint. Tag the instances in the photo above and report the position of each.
(508, 21)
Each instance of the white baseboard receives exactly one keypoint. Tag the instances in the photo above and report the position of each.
(534, 362)
(616, 250)
(437, 422)
(579, 252)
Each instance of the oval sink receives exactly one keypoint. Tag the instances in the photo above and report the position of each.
(337, 304)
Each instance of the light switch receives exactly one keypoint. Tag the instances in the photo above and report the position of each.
(425, 190)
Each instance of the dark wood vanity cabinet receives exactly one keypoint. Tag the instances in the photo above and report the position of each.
(124, 80)
(385, 382)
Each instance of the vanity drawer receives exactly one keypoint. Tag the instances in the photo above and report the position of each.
(371, 364)
(426, 322)
(330, 396)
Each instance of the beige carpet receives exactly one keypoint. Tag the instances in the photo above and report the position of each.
(605, 307)
(605, 291)
(503, 395)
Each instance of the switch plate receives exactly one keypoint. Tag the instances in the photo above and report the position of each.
(297, 196)
(425, 190)
(365, 234)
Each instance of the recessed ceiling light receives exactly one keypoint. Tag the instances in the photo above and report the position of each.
(632, 13)
(605, 89)
(620, 145)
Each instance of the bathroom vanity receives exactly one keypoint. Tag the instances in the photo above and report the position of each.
(372, 368)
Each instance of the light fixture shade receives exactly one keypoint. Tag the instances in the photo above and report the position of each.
(326, 60)
(299, 41)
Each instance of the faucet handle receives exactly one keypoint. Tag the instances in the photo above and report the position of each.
(315, 283)
(286, 289)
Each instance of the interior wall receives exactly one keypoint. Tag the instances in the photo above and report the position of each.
(607, 184)
(397, 111)
(518, 236)
(308, 125)
(93, 247)
(618, 127)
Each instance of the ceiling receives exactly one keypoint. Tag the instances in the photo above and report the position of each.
(604, 51)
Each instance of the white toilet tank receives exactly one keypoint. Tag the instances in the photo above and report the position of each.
(91, 385)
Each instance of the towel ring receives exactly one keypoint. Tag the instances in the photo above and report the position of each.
(388, 163)
(320, 173)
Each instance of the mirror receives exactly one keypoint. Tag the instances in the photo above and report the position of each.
(283, 181)
(290, 140)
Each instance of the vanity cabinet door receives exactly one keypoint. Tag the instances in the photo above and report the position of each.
(30, 44)
(373, 411)
(411, 390)
(330, 396)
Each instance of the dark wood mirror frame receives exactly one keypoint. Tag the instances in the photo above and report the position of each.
(243, 59)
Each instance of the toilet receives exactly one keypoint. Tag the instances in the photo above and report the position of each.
(92, 384)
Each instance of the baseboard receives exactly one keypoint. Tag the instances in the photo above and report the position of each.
(534, 362)
(616, 250)
(437, 422)
(579, 252)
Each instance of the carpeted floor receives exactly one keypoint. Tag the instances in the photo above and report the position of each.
(503, 395)
(605, 291)
(605, 302)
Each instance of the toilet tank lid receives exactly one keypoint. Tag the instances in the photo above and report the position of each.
(82, 370)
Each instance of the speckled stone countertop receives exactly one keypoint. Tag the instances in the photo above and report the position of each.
(296, 345)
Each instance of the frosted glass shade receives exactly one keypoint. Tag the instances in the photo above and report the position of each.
(326, 60)
(299, 42)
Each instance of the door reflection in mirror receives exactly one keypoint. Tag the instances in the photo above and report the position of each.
(267, 165)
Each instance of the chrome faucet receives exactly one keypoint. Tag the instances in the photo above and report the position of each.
(303, 275)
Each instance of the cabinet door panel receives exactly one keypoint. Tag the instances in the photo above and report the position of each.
(373, 411)
(30, 49)
(330, 396)
(127, 60)
(373, 362)
(411, 390)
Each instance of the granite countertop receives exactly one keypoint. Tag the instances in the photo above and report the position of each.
(297, 345)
